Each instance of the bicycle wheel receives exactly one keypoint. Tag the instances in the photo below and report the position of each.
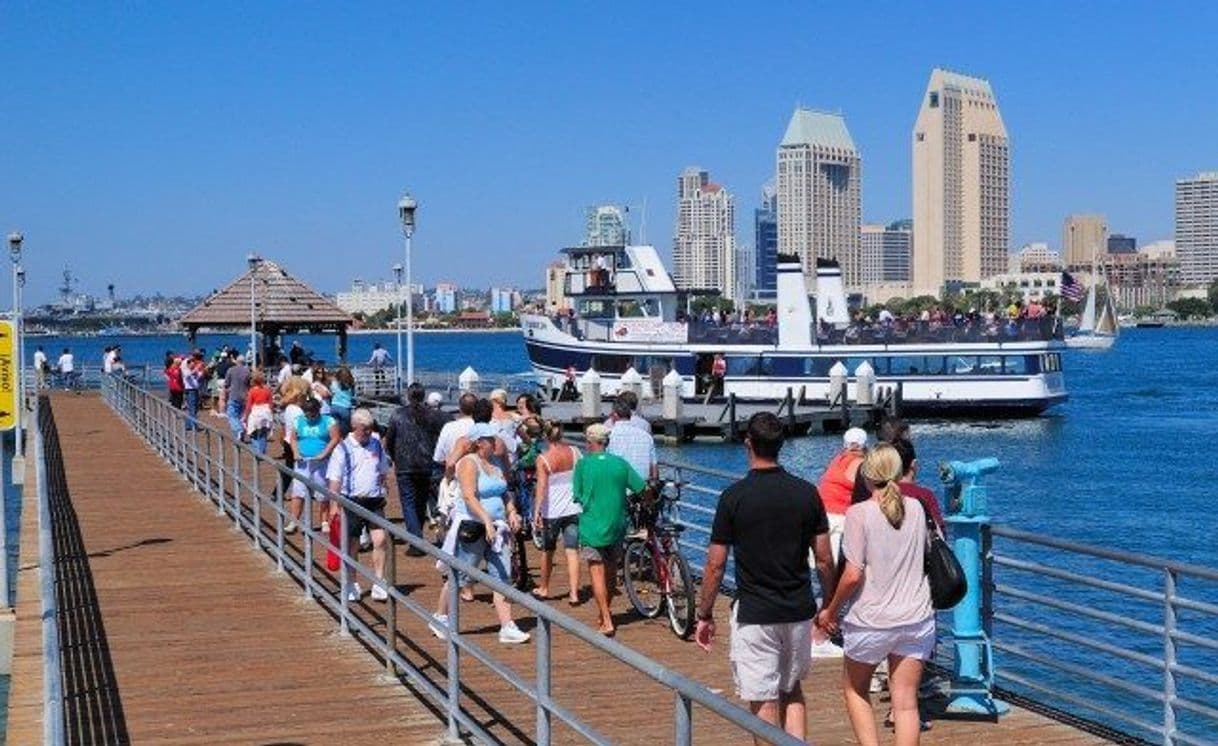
(681, 597)
(640, 579)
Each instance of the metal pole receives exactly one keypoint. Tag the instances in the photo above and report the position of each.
(344, 575)
(683, 721)
(1169, 658)
(18, 448)
(409, 313)
(391, 609)
(454, 656)
(542, 641)
(253, 320)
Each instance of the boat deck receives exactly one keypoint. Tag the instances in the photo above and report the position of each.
(178, 631)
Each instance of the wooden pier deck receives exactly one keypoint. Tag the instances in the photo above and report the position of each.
(204, 643)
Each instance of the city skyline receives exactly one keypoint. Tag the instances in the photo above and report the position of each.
(152, 134)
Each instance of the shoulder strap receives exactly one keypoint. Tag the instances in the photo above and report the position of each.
(348, 468)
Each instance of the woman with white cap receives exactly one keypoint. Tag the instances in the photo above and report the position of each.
(483, 521)
(835, 488)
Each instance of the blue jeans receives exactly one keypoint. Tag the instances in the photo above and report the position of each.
(192, 409)
(258, 441)
(234, 410)
(413, 491)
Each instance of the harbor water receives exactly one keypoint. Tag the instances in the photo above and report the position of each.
(1123, 464)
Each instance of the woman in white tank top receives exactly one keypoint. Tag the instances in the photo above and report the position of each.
(555, 512)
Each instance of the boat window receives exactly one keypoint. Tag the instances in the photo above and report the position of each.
(961, 365)
(595, 309)
(1017, 364)
(905, 366)
(630, 309)
(932, 365)
(817, 367)
(990, 365)
(616, 364)
(743, 366)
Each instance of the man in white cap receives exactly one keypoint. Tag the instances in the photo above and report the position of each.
(835, 488)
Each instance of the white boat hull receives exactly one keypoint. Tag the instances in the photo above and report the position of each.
(1090, 342)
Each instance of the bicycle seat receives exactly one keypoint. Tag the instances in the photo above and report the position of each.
(669, 529)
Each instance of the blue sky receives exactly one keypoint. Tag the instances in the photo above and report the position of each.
(153, 145)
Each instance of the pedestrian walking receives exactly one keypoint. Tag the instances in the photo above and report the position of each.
(342, 398)
(314, 437)
(192, 381)
(379, 361)
(258, 414)
(358, 469)
(769, 520)
(555, 512)
(237, 387)
(410, 439)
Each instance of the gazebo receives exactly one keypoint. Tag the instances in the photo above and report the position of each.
(276, 304)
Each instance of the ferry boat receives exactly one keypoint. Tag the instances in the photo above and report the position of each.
(628, 315)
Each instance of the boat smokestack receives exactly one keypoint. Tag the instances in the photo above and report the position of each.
(830, 294)
(794, 312)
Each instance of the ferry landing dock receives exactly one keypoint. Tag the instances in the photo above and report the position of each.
(185, 615)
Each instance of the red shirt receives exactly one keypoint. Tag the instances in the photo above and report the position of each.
(258, 395)
(930, 502)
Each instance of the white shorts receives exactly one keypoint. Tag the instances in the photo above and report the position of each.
(870, 646)
(769, 659)
(314, 469)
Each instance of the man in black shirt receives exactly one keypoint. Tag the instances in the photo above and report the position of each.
(769, 519)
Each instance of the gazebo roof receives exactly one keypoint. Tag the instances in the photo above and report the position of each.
(279, 300)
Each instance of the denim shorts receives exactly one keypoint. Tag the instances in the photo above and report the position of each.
(566, 526)
(498, 564)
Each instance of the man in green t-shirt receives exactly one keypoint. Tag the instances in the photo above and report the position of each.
(600, 485)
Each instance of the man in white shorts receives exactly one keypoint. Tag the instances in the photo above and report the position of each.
(768, 520)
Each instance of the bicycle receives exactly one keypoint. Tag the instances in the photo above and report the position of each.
(655, 574)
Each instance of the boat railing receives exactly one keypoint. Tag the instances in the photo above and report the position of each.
(1127, 638)
(46, 447)
(380, 384)
(233, 477)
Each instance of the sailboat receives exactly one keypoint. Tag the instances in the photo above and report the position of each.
(1095, 333)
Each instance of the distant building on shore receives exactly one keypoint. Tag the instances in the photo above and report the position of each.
(1037, 257)
(704, 247)
(961, 184)
(446, 297)
(885, 253)
(1084, 240)
(1121, 244)
(1031, 286)
(605, 225)
(765, 252)
(1150, 277)
(1197, 228)
(369, 297)
(819, 193)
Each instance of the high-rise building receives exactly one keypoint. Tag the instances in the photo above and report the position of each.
(704, 247)
(605, 225)
(1197, 228)
(819, 190)
(885, 253)
(1084, 239)
(446, 297)
(1120, 244)
(765, 231)
(961, 184)
(1037, 257)
(502, 300)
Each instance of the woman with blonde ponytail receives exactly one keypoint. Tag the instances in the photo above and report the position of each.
(890, 616)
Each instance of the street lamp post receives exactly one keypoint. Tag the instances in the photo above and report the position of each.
(406, 210)
(397, 360)
(15, 240)
(253, 260)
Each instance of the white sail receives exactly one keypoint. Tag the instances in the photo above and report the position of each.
(1107, 323)
(1086, 322)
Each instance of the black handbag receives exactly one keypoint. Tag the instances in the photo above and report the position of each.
(943, 571)
(470, 531)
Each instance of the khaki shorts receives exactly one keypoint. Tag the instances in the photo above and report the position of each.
(768, 660)
(611, 556)
(870, 646)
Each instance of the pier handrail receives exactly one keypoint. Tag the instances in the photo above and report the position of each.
(1156, 669)
(52, 668)
(224, 470)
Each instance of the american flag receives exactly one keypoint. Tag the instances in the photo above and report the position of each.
(1072, 289)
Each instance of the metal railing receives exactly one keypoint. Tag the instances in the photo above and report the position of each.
(373, 384)
(89, 376)
(226, 472)
(1107, 634)
(52, 668)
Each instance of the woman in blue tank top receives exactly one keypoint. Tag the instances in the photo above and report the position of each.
(342, 398)
(314, 436)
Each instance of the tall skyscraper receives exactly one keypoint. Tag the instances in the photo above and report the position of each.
(605, 225)
(1197, 228)
(704, 248)
(1121, 244)
(819, 188)
(961, 184)
(765, 231)
(1084, 239)
(885, 253)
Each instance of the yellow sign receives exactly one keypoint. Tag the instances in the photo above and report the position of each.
(8, 376)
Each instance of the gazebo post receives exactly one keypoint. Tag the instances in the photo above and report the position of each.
(342, 345)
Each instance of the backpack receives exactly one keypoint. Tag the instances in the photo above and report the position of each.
(413, 446)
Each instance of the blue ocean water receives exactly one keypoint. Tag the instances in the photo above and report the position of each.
(1123, 464)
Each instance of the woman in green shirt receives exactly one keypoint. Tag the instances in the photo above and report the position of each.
(601, 483)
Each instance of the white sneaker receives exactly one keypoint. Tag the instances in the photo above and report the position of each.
(365, 540)
(291, 528)
(878, 684)
(439, 625)
(510, 634)
(379, 593)
(355, 593)
(826, 649)
(325, 528)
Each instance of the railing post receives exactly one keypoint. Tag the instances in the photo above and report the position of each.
(207, 466)
(236, 486)
(391, 605)
(306, 534)
(221, 480)
(344, 572)
(454, 656)
(541, 638)
(1169, 657)
(683, 720)
(280, 507)
(256, 519)
(987, 580)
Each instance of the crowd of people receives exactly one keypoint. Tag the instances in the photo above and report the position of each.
(483, 482)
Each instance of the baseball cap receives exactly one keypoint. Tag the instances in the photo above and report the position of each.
(482, 430)
(499, 395)
(435, 398)
(597, 433)
(855, 436)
